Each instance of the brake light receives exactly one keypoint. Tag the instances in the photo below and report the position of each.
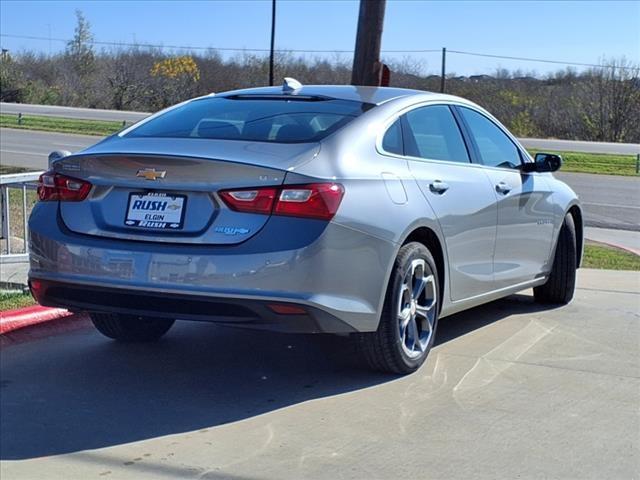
(314, 200)
(55, 186)
(317, 200)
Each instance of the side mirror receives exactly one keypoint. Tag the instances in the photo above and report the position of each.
(544, 162)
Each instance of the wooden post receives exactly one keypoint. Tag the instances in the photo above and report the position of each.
(443, 74)
(273, 40)
(366, 58)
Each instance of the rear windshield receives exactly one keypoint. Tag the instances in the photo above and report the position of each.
(262, 119)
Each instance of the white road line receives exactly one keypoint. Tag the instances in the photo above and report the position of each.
(611, 205)
(79, 145)
(21, 153)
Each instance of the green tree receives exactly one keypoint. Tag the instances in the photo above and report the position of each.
(11, 80)
(80, 48)
(177, 79)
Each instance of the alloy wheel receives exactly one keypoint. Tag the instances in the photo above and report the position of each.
(417, 309)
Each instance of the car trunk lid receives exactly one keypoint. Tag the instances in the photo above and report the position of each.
(163, 191)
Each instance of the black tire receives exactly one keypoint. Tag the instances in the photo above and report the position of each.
(130, 328)
(561, 283)
(383, 349)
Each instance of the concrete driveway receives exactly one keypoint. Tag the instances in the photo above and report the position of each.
(512, 390)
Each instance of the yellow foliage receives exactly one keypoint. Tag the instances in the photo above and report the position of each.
(175, 67)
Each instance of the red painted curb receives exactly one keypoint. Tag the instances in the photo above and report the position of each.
(40, 331)
(11, 320)
(618, 246)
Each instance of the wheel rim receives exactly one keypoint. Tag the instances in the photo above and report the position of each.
(416, 309)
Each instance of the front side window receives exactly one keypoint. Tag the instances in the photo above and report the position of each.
(432, 133)
(496, 148)
(253, 118)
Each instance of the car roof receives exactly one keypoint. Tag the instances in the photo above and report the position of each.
(373, 95)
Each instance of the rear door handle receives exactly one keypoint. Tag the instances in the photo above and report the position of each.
(503, 188)
(438, 186)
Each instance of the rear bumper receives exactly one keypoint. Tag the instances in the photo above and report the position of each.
(335, 272)
(258, 314)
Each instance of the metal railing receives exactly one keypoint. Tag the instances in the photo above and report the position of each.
(22, 183)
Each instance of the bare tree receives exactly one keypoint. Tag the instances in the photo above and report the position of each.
(598, 104)
(609, 100)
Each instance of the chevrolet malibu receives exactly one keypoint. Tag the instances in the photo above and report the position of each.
(363, 211)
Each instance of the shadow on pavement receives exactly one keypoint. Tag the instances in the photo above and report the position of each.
(80, 391)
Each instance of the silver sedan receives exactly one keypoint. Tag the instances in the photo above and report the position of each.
(364, 211)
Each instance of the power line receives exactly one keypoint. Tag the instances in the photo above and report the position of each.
(266, 50)
(526, 59)
(192, 47)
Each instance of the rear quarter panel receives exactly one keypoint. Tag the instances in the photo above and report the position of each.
(381, 198)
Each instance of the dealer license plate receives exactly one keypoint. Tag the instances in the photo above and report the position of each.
(160, 211)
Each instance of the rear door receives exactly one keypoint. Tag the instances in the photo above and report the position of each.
(525, 206)
(458, 191)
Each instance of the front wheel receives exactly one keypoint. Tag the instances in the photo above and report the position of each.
(409, 317)
(561, 283)
(130, 328)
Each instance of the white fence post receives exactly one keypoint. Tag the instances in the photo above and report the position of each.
(21, 182)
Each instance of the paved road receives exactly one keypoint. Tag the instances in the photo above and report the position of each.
(610, 201)
(130, 117)
(578, 146)
(30, 149)
(512, 390)
(71, 112)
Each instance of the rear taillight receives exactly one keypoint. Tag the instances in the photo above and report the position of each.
(258, 200)
(315, 200)
(55, 186)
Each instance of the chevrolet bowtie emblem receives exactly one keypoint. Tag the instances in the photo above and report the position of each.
(151, 173)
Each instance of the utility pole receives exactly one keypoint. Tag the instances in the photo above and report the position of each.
(49, 28)
(273, 40)
(444, 69)
(366, 58)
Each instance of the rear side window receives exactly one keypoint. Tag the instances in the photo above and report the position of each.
(432, 133)
(262, 119)
(496, 148)
(392, 140)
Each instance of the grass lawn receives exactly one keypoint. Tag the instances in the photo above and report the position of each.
(17, 218)
(7, 169)
(62, 125)
(12, 300)
(605, 257)
(595, 163)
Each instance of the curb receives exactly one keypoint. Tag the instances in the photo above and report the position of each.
(40, 331)
(11, 320)
(616, 245)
